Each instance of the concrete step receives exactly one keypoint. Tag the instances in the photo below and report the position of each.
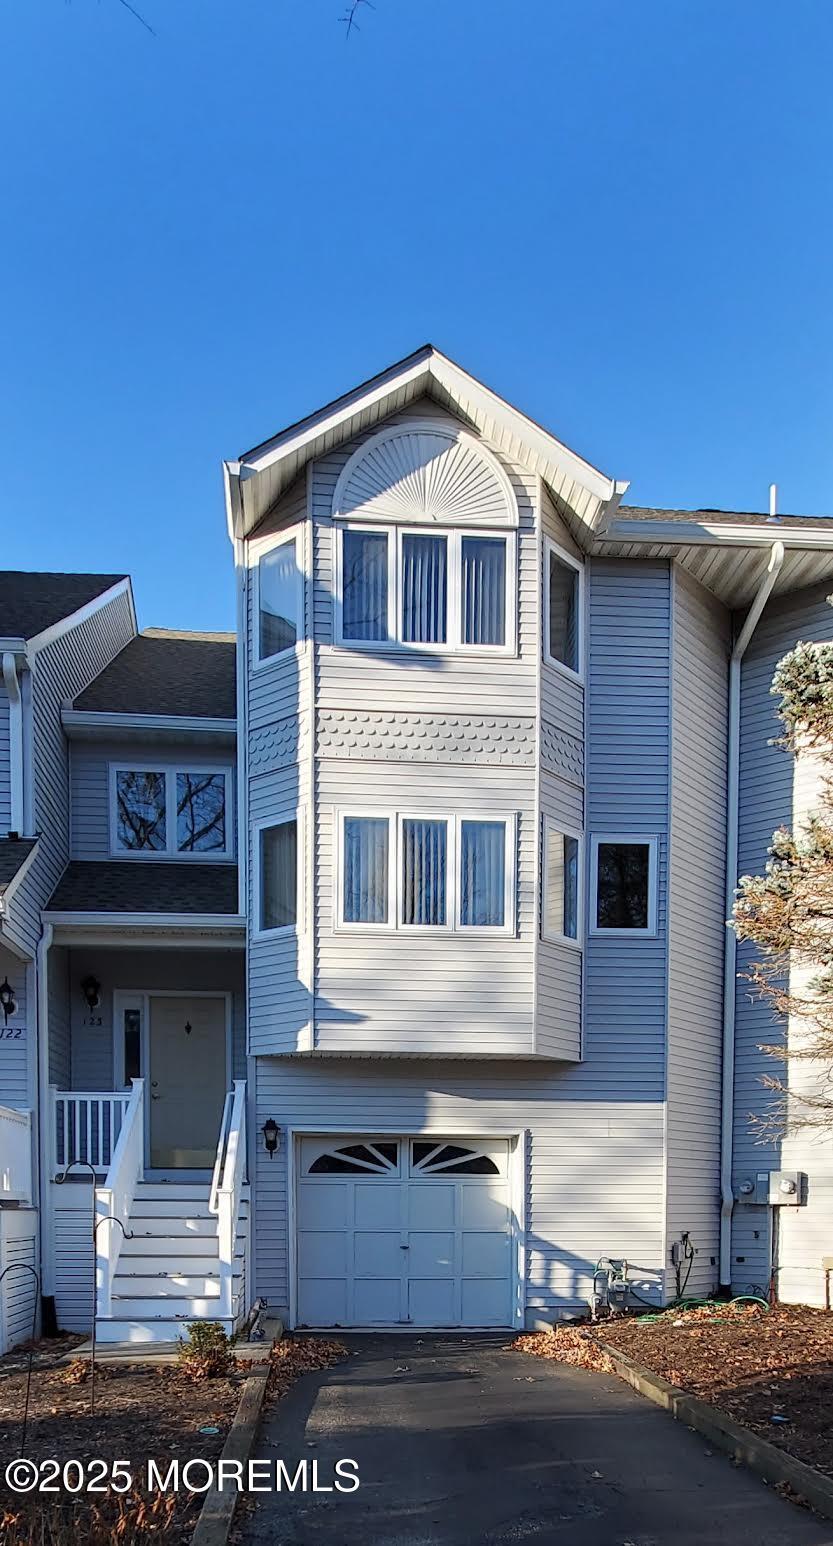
(148, 1328)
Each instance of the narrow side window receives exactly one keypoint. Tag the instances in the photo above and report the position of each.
(483, 577)
(280, 599)
(561, 884)
(364, 585)
(424, 853)
(366, 869)
(483, 874)
(424, 589)
(278, 876)
(563, 615)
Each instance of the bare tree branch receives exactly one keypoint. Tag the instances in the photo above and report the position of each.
(349, 17)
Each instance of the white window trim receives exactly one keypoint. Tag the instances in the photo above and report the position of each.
(396, 899)
(170, 851)
(550, 548)
(368, 814)
(258, 548)
(554, 828)
(651, 841)
(278, 819)
(453, 644)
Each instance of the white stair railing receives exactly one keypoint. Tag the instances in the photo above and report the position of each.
(114, 1200)
(86, 1125)
(15, 1155)
(227, 1190)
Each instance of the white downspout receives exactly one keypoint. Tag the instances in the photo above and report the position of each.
(45, 1119)
(12, 685)
(776, 559)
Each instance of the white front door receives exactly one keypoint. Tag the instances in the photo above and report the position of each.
(186, 1080)
(404, 1231)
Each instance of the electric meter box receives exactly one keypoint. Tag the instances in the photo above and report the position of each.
(774, 1188)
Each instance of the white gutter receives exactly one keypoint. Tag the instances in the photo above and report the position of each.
(12, 686)
(764, 591)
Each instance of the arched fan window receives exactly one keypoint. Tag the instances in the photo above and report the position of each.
(450, 1159)
(357, 1159)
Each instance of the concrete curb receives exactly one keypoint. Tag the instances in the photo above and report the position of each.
(217, 1512)
(740, 1443)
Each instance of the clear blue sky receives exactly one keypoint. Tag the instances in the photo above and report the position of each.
(619, 215)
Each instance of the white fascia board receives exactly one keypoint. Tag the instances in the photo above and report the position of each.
(705, 534)
(13, 646)
(102, 722)
(55, 631)
(219, 921)
(427, 362)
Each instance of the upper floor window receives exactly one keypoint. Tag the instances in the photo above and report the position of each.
(279, 597)
(446, 590)
(426, 872)
(174, 811)
(563, 609)
(277, 876)
(624, 885)
(561, 911)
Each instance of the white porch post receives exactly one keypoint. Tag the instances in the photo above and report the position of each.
(44, 1123)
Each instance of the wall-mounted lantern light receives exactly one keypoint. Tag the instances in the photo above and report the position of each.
(91, 989)
(8, 1002)
(270, 1132)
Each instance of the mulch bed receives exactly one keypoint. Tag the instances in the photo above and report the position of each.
(770, 1370)
(141, 1411)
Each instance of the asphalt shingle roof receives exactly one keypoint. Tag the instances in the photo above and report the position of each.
(163, 671)
(30, 602)
(13, 853)
(720, 517)
(140, 886)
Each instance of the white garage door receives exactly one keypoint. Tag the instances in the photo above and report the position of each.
(404, 1231)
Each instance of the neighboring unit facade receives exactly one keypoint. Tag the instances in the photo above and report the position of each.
(379, 969)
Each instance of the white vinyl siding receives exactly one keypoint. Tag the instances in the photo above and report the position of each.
(696, 924)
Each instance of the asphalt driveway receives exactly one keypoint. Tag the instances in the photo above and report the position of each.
(460, 1442)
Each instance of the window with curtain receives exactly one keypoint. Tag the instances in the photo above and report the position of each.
(561, 858)
(624, 885)
(278, 900)
(483, 578)
(366, 854)
(424, 852)
(279, 599)
(364, 563)
(563, 602)
(424, 589)
(482, 874)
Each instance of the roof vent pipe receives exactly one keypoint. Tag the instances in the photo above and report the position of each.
(776, 559)
(773, 501)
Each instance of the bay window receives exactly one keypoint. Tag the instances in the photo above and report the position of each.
(403, 871)
(279, 597)
(276, 876)
(173, 812)
(561, 911)
(563, 609)
(450, 590)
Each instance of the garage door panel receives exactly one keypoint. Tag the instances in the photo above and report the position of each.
(377, 1254)
(324, 1204)
(484, 1205)
(430, 1255)
(377, 1301)
(432, 1302)
(322, 1253)
(485, 1302)
(431, 1204)
(378, 1205)
(323, 1302)
(487, 1255)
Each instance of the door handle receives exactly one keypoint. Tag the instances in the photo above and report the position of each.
(402, 1247)
(156, 1097)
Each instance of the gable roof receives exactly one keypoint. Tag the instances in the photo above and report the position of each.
(258, 478)
(31, 602)
(14, 851)
(165, 671)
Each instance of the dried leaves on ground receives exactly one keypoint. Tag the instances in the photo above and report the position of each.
(770, 1370)
(293, 1357)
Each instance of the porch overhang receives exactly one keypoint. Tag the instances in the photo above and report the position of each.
(726, 557)
(150, 930)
